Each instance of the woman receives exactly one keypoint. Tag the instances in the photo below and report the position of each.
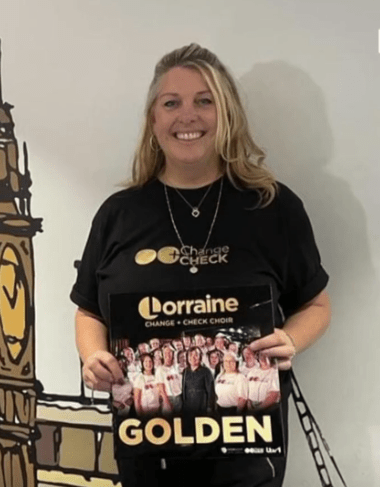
(146, 391)
(231, 387)
(214, 361)
(263, 386)
(169, 382)
(198, 391)
(249, 361)
(157, 358)
(181, 361)
(199, 183)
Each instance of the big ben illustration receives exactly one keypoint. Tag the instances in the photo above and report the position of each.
(17, 355)
(45, 439)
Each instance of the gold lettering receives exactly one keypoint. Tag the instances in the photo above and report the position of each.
(229, 429)
(178, 438)
(265, 430)
(166, 431)
(136, 434)
(200, 423)
(199, 306)
(232, 304)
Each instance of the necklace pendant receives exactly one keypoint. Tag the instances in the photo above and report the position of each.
(194, 269)
(195, 213)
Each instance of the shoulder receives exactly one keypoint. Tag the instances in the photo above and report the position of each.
(124, 197)
(125, 201)
(286, 198)
(139, 382)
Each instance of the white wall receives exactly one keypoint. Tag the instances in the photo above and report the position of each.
(77, 73)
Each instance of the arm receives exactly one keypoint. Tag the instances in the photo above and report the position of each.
(137, 393)
(271, 398)
(165, 399)
(241, 404)
(100, 368)
(300, 331)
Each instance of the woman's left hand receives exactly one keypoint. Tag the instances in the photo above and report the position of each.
(278, 345)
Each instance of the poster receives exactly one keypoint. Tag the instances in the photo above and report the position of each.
(192, 385)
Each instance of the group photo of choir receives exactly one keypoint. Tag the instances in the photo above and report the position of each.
(194, 375)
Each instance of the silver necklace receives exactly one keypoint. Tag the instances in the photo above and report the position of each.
(195, 210)
(194, 269)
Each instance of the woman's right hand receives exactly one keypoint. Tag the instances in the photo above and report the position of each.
(101, 370)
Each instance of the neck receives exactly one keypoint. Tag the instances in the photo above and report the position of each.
(189, 177)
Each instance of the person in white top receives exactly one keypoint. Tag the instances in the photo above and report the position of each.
(263, 384)
(154, 343)
(214, 362)
(143, 348)
(157, 358)
(231, 386)
(169, 382)
(221, 342)
(250, 361)
(145, 392)
(187, 342)
(177, 344)
(181, 361)
(133, 367)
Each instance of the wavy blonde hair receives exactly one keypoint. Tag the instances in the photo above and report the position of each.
(242, 160)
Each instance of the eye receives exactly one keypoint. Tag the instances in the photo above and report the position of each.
(170, 103)
(204, 101)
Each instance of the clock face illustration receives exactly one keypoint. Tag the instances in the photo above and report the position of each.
(13, 302)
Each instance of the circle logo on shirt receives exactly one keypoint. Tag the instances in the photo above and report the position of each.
(145, 256)
(168, 255)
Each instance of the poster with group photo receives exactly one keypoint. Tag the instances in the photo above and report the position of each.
(192, 383)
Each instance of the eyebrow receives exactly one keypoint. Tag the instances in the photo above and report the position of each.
(177, 94)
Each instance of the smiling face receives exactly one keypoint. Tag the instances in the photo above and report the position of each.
(194, 359)
(249, 357)
(185, 121)
(214, 359)
(147, 364)
(168, 356)
(229, 363)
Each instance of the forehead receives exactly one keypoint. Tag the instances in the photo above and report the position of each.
(183, 81)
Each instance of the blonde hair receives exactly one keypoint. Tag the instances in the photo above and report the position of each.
(242, 160)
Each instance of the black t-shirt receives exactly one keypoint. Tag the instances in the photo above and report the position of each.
(133, 246)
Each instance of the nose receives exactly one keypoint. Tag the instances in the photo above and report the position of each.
(187, 113)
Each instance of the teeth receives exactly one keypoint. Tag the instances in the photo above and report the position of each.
(188, 135)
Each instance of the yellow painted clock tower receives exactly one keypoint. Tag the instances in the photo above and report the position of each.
(17, 354)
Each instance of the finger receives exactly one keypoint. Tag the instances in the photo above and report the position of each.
(94, 382)
(112, 365)
(272, 340)
(284, 364)
(283, 351)
(101, 372)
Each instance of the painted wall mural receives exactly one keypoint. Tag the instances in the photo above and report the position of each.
(45, 439)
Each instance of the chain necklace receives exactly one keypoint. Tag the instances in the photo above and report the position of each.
(195, 210)
(193, 269)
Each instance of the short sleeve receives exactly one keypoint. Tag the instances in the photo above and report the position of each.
(85, 290)
(304, 276)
